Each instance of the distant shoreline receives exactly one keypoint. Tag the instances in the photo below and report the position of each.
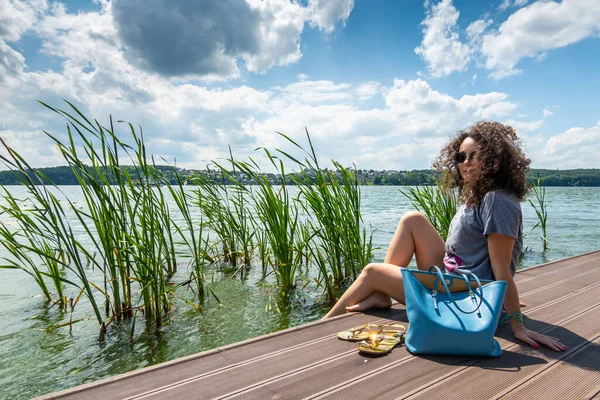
(63, 176)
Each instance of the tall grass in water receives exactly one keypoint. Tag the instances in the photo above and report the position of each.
(241, 219)
(227, 210)
(192, 236)
(439, 205)
(17, 243)
(116, 218)
(341, 246)
(278, 216)
(42, 231)
(541, 209)
(127, 219)
(24, 246)
(131, 218)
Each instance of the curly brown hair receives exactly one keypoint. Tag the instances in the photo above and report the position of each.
(503, 162)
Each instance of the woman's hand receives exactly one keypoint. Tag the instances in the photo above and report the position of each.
(532, 338)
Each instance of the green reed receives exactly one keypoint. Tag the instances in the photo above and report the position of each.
(262, 246)
(237, 215)
(278, 217)
(541, 209)
(43, 228)
(332, 198)
(439, 205)
(241, 223)
(22, 260)
(127, 218)
(149, 243)
(104, 211)
(226, 211)
(192, 236)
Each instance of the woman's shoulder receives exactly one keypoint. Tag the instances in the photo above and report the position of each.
(502, 195)
(500, 198)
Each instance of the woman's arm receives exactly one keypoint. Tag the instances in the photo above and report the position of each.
(500, 248)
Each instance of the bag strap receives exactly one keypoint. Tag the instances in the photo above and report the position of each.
(465, 276)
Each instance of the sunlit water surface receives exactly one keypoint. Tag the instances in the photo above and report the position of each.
(36, 360)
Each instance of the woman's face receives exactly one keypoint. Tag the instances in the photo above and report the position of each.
(466, 159)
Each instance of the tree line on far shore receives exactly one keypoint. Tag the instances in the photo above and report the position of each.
(63, 175)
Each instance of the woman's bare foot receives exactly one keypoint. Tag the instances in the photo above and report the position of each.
(376, 300)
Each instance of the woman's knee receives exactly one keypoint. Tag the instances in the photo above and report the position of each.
(375, 271)
(370, 271)
(412, 217)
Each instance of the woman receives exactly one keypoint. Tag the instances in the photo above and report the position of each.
(487, 166)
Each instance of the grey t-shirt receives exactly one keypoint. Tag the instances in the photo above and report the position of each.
(498, 212)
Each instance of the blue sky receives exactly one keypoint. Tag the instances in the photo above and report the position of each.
(381, 84)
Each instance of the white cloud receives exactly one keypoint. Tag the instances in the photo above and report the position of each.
(366, 91)
(441, 48)
(194, 122)
(529, 32)
(281, 23)
(575, 148)
(96, 76)
(82, 39)
(313, 92)
(18, 17)
(11, 62)
(508, 3)
(536, 29)
(326, 13)
(415, 121)
(424, 110)
(505, 4)
(477, 28)
(522, 127)
(209, 39)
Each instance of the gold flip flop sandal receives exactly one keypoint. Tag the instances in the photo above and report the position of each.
(365, 331)
(381, 344)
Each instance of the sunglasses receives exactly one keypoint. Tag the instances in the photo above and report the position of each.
(461, 156)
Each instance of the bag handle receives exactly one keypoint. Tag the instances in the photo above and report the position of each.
(463, 273)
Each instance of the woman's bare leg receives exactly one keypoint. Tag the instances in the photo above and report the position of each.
(378, 283)
(415, 236)
(384, 279)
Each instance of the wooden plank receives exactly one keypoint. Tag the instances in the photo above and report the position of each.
(310, 361)
(528, 362)
(401, 372)
(577, 376)
(221, 361)
(566, 290)
(594, 394)
(590, 255)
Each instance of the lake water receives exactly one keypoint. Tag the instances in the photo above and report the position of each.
(37, 361)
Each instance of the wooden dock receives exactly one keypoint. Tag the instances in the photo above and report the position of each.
(309, 362)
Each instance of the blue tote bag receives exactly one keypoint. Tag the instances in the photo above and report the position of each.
(453, 314)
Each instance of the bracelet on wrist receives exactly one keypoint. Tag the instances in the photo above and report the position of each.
(515, 316)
